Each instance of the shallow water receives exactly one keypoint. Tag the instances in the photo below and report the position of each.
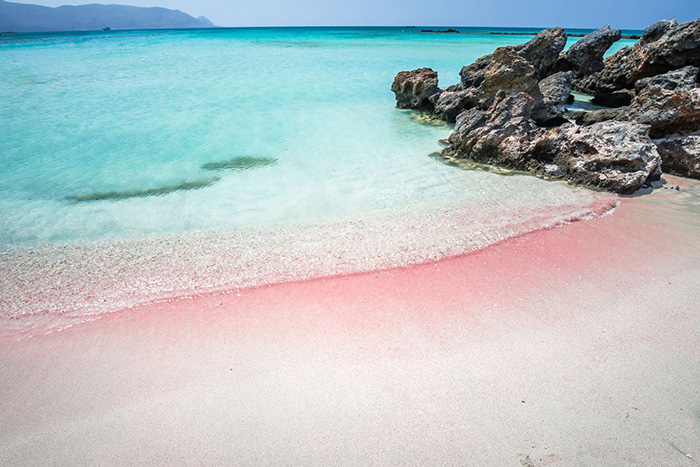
(136, 136)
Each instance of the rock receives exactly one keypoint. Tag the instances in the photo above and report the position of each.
(668, 103)
(417, 89)
(555, 91)
(596, 116)
(664, 46)
(658, 29)
(619, 98)
(511, 69)
(612, 155)
(509, 72)
(451, 103)
(586, 55)
(473, 75)
(680, 155)
(543, 50)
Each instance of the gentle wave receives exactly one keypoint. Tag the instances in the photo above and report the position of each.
(57, 286)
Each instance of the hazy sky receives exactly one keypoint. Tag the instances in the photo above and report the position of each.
(632, 14)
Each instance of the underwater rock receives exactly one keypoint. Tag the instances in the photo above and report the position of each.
(157, 191)
(240, 163)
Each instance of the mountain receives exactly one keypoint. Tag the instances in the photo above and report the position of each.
(20, 17)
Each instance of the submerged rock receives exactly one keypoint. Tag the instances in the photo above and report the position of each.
(664, 46)
(586, 55)
(240, 163)
(416, 89)
(143, 193)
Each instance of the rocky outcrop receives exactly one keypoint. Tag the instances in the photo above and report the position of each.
(616, 156)
(416, 89)
(509, 107)
(586, 56)
(680, 155)
(664, 46)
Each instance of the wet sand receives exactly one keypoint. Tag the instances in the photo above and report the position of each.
(572, 346)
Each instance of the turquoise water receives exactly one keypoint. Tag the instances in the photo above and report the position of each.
(94, 123)
(139, 166)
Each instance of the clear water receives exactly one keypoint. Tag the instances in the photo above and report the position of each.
(129, 112)
(225, 137)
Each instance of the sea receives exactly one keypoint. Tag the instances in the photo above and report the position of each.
(148, 165)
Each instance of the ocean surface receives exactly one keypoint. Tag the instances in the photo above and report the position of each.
(141, 165)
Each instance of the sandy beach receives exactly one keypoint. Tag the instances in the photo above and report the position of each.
(572, 346)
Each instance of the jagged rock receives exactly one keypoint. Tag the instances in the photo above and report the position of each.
(586, 55)
(658, 29)
(451, 103)
(665, 46)
(543, 50)
(680, 155)
(417, 89)
(619, 98)
(613, 155)
(555, 91)
(473, 75)
(669, 103)
(509, 72)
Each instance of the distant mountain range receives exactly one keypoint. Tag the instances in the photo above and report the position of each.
(21, 17)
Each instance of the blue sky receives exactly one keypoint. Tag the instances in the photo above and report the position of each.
(630, 14)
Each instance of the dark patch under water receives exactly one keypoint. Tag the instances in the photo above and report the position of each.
(157, 191)
(240, 163)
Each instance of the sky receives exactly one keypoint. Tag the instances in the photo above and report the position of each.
(623, 14)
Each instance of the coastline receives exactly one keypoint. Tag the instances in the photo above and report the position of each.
(57, 286)
(523, 353)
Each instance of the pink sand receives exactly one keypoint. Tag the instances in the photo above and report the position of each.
(572, 346)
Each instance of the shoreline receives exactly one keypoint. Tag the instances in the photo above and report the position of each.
(524, 353)
(64, 285)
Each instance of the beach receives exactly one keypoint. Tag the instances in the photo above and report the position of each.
(574, 345)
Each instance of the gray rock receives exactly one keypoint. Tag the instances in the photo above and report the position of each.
(658, 29)
(586, 55)
(612, 155)
(668, 103)
(665, 46)
(417, 89)
(680, 155)
(543, 50)
(555, 91)
(452, 103)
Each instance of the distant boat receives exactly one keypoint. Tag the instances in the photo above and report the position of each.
(106, 28)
